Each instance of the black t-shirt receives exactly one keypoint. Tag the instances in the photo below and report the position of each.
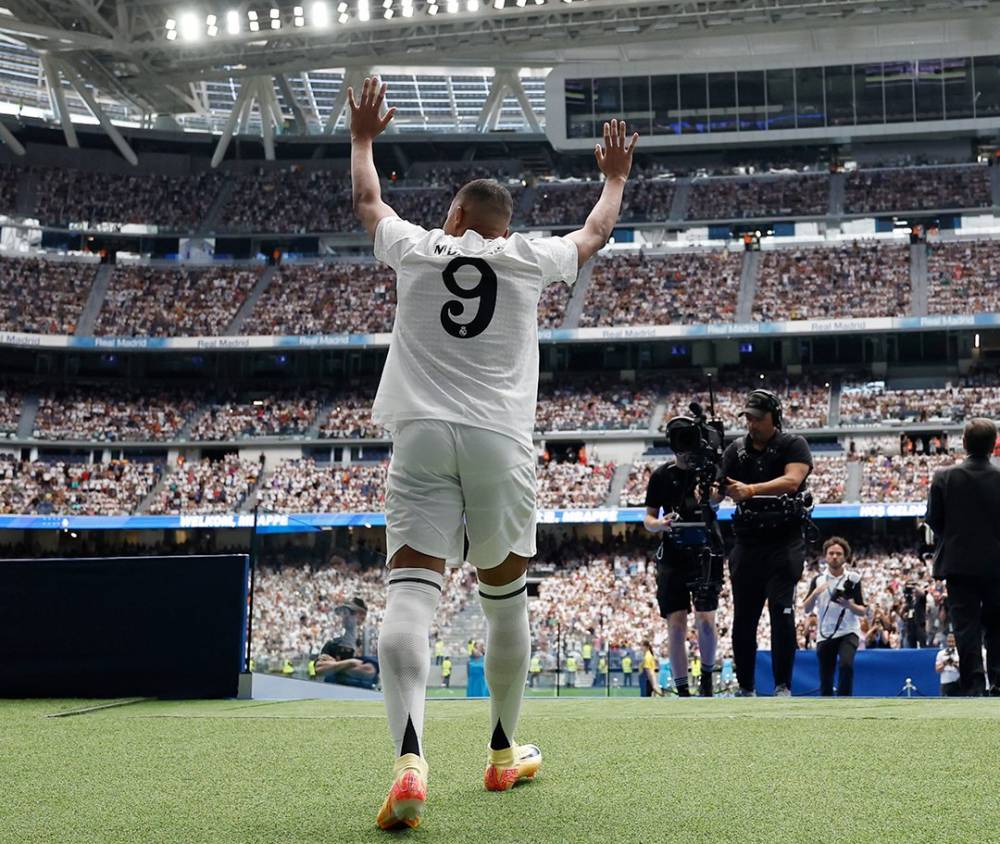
(672, 488)
(742, 462)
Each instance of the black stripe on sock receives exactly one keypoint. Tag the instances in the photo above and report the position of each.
(414, 580)
(514, 594)
(499, 741)
(411, 743)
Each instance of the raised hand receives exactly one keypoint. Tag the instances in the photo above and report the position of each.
(615, 158)
(367, 121)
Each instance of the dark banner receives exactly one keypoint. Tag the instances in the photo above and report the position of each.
(123, 627)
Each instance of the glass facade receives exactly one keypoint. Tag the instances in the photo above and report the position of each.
(788, 98)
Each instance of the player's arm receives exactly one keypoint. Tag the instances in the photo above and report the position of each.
(615, 161)
(366, 126)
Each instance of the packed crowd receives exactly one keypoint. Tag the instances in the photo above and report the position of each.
(78, 489)
(826, 482)
(647, 199)
(963, 277)
(294, 611)
(642, 290)
(336, 298)
(574, 485)
(860, 280)
(922, 188)
(427, 207)
(889, 478)
(773, 196)
(207, 486)
(290, 201)
(805, 404)
(552, 305)
(169, 202)
(42, 297)
(350, 417)
(873, 403)
(155, 302)
(277, 415)
(594, 406)
(10, 412)
(305, 486)
(117, 415)
(562, 203)
(10, 177)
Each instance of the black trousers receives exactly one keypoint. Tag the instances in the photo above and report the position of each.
(974, 606)
(765, 573)
(829, 652)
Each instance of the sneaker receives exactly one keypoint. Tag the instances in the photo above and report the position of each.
(781, 690)
(405, 802)
(741, 692)
(506, 768)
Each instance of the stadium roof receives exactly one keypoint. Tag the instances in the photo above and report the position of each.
(137, 58)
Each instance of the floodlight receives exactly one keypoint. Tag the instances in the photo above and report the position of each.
(189, 26)
(364, 10)
(233, 22)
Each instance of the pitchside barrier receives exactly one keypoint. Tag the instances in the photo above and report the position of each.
(881, 672)
(124, 627)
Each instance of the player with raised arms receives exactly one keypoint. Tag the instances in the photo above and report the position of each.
(458, 395)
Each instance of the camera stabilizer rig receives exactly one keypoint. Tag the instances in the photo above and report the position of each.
(700, 441)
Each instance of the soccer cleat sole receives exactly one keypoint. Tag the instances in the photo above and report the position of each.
(405, 803)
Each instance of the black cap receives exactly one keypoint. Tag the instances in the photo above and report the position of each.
(358, 604)
(757, 405)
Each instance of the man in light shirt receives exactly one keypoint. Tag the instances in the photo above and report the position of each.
(458, 395)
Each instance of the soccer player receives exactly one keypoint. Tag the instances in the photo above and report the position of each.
(458, 395)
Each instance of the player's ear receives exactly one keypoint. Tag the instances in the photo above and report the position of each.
(506, 232)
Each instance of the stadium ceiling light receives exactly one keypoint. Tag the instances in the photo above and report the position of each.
(251, 15)
(171, 34)
(210, 20)
(190, 28)
(233, 22)
(407, 8)
(342, 7)
(472, 5)
(499, 4)
(364, 10)
(522, 3)
(275, 14)
(344, 17)
(432, 9)
(254, 26)
(452, 7)
(320, 14)
(276, 23)
(170, 24)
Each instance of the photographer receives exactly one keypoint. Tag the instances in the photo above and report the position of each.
(964, 512)
(689, 559)
(836, 598)
(765, 474)
(946, 664)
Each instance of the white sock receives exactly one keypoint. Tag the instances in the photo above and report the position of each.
(404, 653)
(508, 650)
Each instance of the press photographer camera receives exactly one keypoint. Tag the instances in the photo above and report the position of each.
(946, 664)
(835, 596)
(690, 555)
(765, 475)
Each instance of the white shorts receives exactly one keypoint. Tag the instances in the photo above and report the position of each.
(448, 480)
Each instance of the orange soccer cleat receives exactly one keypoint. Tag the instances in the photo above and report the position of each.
(508, 767)
(405, 802)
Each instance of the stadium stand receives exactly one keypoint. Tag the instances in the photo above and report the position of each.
(113, 415)
(281, 414)
(43, 297)
(600, 404)
(901, 478)
(645, 290)
(964, 277)
(574, 485)
(160, 302)
(305, 486)
(917, 188)
(859, 280)
(760, 196)
(207, 486)
(875, 404)
(291, 200)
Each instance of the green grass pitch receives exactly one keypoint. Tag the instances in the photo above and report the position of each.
(744, 770)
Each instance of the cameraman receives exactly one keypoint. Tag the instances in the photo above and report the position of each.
(946, 664)
(836, 598)
(689, 559)
(769, 555)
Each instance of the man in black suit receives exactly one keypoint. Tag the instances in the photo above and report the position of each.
(963, 510)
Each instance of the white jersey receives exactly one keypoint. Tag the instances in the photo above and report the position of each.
(464, 344)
